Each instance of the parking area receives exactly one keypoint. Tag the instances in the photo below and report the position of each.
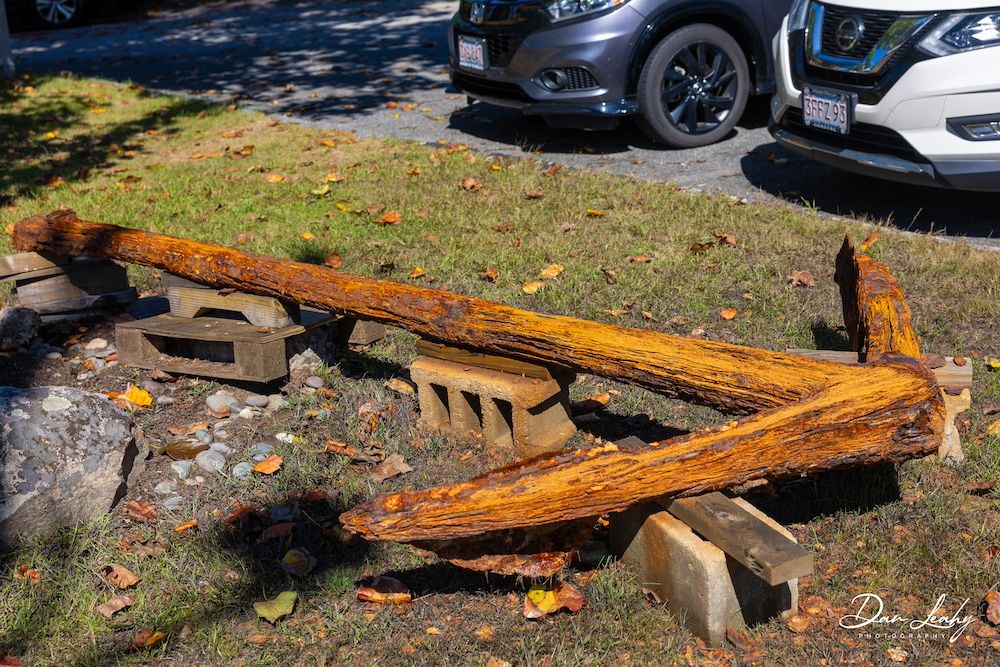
(379, 67)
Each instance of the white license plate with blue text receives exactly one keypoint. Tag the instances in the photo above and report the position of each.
(827, 110)
(472, 52)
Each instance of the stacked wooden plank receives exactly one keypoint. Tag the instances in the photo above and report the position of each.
(58, 287)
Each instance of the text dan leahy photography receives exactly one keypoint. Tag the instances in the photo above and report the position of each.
(873, 620)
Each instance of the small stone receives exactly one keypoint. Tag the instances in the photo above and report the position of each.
(199, 479)
(97, 344)
(86, 375)
(165, 488)
(173, 503)
(210, 461)
(275, 402)
(204, 436)
(248, 413)
(242, 470)
(288, 438)
(18, 327)
(314, 381)
(182, 468)
(259, 457)
(303, 363)
(262, 448)
(219, 403)
(165, 400)
(220, 434)
(54, 355)
(154, 388)
(98, 364)
(256, 401)
(221, 448)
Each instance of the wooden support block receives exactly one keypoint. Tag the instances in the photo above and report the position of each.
(751, 542)
(950, 450)
(949, 375)
(261, 311)
(91, 302)
(359, 332)
(703, 586)
(483, 360)
(211, 346)
(24, 262)
(78, 280)
(514, 414)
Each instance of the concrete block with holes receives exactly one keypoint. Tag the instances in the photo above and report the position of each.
(706, 589)
(513, 414)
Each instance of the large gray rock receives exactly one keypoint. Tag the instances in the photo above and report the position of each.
(66, 456)
(18, 327)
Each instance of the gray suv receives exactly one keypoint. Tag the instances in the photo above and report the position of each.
(683, 68)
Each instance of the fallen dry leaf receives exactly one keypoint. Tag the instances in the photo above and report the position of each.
(728, 313)
(390, 218)
(270, 465)
(552, 170)
(137, 544)
(897, 654)
(960, 361)
(114, 605)
(141, 511)
(485, 632)
(798, 623)
(308, 236)
(698, 248)
(551, 271)
(490, 274)
(470, 184)
(594, 213)
(385, 590)
(400, 386)
(274, 178)
(993, 607)
(28, 574)
(119, 576)
(393, 466)
(417, 272)
(640, 259)
(542, 601)
(725, 238)
(870, 240)
(803, 278)
(185, 450)
(333, 177)
(186, 526)
(591, 403)
(244, 238)
(298, 562)
(333, 260)
(531, 286)
(274, 610)
(533, 194)
(148, 638)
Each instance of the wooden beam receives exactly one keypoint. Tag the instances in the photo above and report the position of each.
(748, 540)
(949, 375)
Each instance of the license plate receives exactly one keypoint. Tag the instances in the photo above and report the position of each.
(828, 110)
(472, 52)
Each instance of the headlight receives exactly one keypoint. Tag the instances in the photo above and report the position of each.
(963, 32)
(797, 15)
(560, 10)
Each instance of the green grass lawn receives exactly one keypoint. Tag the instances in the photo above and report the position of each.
(116, 154)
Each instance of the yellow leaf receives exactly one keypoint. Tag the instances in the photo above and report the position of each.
(270, 465)
(98, 110)
(531, 287)
(321, 190)
(594, 213)
(328, 142)
(308, 236)
(416, 273)
(992, 363)
(391, 218)
(274, 178)
(399, 386)
(334, 177)
(9, 228)
(137, 396)
(52, 135)
(276, 609)
(994, 429)
(551, 271)
(728, 313)
(342, 207)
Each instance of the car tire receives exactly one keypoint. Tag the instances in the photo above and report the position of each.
(693, 88)
(58, 13)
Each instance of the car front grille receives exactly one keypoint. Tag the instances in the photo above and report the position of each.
(475, 85)
(875, 22)
(862, 137)
(580, 78)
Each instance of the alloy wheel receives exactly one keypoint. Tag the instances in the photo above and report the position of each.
(699, 88)
(56, 12)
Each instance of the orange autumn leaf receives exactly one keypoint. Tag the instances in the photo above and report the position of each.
(385, 590)
(728, 313)
(137, 396)
(551, 271)
(870, 240)
(274, 178)
(333, 177)
(148, 638)
(186, 526)
(531, 286)
(119, 576)
(416, 273)
(270, 465)
(141, 511)
(471, 184)
(391, 218)
(28, 574)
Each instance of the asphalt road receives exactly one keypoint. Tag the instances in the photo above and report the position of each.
(337, 63)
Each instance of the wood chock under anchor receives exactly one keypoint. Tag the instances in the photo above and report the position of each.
(518, 408)
(190, 299)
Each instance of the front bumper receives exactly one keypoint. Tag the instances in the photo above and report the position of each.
(903, 136)
(600, 45)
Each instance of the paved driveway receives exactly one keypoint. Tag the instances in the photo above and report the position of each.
(337, 63)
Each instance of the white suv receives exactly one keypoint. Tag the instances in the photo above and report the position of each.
(908, 91)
